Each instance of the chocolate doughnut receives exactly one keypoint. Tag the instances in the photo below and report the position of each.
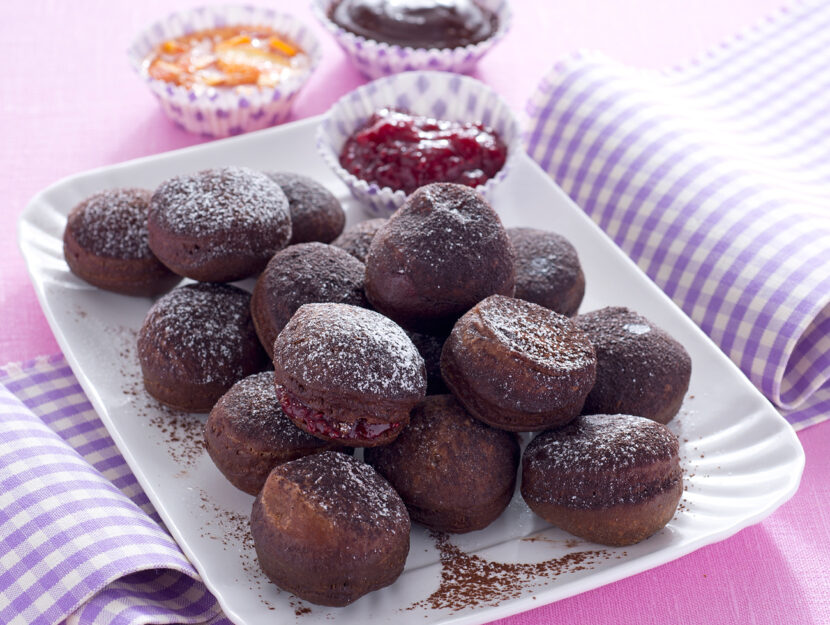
(329, 529)
(105, 244)
(348, 374)
(440, 254)
(306, 273)
(357, 238)
(548, 272)
(453, 472)
(641, 370)
(316, 214)
(518, 366)
(614, 480)
(247, 434)
(195, 343)
(218, 225)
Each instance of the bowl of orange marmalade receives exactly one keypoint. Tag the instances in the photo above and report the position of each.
(220, 71)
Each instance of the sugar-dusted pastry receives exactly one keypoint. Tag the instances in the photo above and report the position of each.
(610, 479)
(454, 473)
(641, 370)
(347, 374)
(105, 244)
(329, 529)
(218, 225)
(196, 342)
(518, 366)
(438, 255)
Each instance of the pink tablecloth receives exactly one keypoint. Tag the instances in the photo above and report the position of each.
(69, 102)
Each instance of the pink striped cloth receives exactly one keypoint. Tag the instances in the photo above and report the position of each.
(715, 178)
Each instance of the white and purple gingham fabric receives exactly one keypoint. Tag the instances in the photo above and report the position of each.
(81, 542)
(715, 178)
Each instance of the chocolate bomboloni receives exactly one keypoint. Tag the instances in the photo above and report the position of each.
(105, 244)
(356, 239)
(548, 272)
(347, 374)
(440, 254)
(641, 370)
(196, 342)
(306, 273)
(518, 366)
(329, 529)
(316, 214)
(247, 434)
(613, 480)
(218, 225)
(454, 473)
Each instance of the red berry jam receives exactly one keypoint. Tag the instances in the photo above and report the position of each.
(402, 151)
(318, 423)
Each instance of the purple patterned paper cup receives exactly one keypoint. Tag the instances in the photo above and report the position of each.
(375, 58)
(224, 111)
(435, 94)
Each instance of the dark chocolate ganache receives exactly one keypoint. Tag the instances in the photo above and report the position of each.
(416, 23)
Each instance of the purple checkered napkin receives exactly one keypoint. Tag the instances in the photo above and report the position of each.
(80, 541)
(715, 178)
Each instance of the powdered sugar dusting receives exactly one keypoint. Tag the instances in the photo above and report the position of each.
(205, 329)
(113, 223)
(252, 406)
(605, 443)
(349, 490)
(543, 336)
(351, 348)
(215, 201)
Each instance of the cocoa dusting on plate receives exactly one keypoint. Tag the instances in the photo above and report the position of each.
(469, 580)
(181, 432)
(233, 531)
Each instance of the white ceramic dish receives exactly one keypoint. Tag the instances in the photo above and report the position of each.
(742, 459)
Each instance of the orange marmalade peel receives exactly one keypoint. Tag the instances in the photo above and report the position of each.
(228, 56)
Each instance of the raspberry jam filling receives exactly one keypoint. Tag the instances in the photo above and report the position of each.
(318, 423)
(402, 151)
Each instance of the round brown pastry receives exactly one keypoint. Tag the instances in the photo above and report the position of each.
(614, 479)
(641, 370)
(218, 225)
(547, 270)
(429, 346)
(518, 366)
(416, 23)
(357, 238)
(247, 434)
(329, 529)
(195, 343)
(440, 254)
(316, 214)
(306, 273)
(453, 472)
(105, 244)
(347, 374)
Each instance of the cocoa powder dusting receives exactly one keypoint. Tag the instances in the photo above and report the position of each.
(469, 580)
(182, 432)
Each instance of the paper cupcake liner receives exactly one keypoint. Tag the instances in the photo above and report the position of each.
(375, 59)
(437, 94)
(220, 112)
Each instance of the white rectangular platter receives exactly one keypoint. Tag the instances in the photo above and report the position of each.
(741, 459)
